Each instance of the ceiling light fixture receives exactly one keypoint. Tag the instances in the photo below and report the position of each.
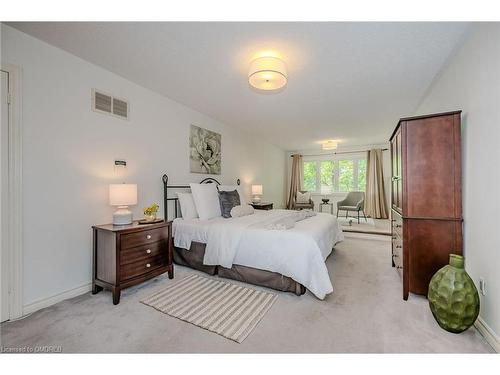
(267, 73)
(329, 145)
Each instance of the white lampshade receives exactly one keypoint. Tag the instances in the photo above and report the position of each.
(256, 189)
(122, 194)
(267, 73)
(325, 190)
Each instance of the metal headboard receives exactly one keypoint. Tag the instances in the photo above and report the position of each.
(166, 186)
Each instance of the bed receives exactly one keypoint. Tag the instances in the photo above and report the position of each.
(245, 249)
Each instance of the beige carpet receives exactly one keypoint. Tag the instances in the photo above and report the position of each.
(230, 310)
(365, 314)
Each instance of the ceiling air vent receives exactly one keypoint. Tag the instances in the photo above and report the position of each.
(105, 103)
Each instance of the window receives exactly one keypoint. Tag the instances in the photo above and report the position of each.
(361, 174)
(328, 174)
(310, 175)
(346, 175)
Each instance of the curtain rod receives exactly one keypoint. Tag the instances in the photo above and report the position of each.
(337, 153)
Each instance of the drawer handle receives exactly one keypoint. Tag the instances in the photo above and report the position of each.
(399, 267)
(398, 225)
(148, 265)
(398, 246)
(148, 237)
(148, 251)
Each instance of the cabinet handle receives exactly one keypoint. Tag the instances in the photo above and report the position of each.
(148, 265)
(148, 251)
(399, 267)
(148, 237)
(398, 246)
(398, 225)
(395, 256)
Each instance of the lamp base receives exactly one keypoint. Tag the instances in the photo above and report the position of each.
(122, 216)
(256, 199)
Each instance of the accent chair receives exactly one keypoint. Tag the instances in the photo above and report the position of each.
(354, 201)
(304, 206)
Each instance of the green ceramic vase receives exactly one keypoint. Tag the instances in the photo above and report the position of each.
(453, 297)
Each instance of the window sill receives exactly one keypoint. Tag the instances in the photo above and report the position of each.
(336, 194)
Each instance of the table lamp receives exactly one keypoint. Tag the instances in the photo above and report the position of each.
(256, 193)
(122, 195)
(325, 191)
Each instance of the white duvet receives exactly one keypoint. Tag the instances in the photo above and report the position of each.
(299, 252)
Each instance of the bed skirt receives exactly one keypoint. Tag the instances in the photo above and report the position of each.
(193, 258)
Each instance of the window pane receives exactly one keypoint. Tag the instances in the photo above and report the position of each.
(362, 175)
(310, 174)
(326, 177)
(346, 175)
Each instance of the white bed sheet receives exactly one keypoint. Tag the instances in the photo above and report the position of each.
(299, 252)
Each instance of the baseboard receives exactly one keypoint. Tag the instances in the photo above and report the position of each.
(488, 334)
(49, 301)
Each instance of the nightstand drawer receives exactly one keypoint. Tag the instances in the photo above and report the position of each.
(142, 266)
(143, 237)
(134, 254)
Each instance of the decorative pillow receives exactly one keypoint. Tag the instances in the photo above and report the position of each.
(228, 200)
(303, 197)
(188, 209)
(234, 187)
(242, 210)
(206, 200)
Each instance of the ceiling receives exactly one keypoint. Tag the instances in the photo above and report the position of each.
(347, 81)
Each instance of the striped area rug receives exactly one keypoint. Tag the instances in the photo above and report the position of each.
(230, 310)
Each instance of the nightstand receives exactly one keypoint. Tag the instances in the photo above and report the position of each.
(126, 255)
(262, 206)
(327, 205)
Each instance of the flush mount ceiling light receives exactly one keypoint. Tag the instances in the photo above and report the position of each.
(267, 73)
(329, 145)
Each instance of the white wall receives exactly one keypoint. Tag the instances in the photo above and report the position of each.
(335, 197)
(68, 154)
(4, 261)
(471, 82)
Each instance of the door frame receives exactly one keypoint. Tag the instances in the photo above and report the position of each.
(12, 234)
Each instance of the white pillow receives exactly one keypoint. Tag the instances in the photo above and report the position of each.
(188, 209)
(243, 210)
(243, 201)
(303, 197)
(206, 200)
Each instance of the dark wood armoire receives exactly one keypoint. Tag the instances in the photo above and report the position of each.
(426, 197)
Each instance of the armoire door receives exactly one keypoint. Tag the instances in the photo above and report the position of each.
(399, 181)
(394, 168)
(396, 181)
(433, 170)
